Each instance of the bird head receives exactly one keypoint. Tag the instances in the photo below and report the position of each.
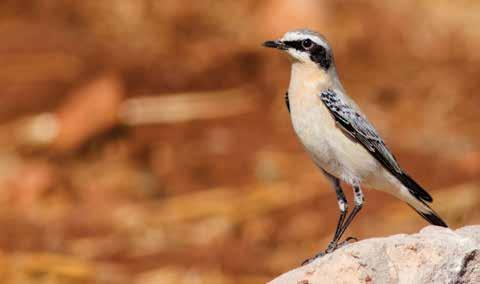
(304, 46)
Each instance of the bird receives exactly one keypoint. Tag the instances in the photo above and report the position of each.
(338, 136)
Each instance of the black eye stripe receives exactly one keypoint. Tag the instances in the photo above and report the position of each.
(318, 53)
(321, 56)
(303, 45)
(294, 44)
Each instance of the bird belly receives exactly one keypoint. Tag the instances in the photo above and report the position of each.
(330, 148)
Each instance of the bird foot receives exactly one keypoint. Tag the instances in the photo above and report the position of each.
(332, 246)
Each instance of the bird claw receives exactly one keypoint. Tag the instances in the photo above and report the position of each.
(332, 246)
(347, 241)
(309, 260)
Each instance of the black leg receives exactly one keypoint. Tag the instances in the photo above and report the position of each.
(358, 206)
(343, 205)
(342, 223)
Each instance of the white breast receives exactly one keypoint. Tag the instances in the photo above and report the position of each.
(329, 147)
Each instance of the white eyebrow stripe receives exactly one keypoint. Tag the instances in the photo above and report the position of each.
(303, 34)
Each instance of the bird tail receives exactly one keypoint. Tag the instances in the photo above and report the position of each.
(428, 214)
(421, 207)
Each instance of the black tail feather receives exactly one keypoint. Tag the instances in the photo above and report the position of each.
(432, 217)
(414, 188)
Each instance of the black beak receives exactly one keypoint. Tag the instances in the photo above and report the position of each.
(275, 44)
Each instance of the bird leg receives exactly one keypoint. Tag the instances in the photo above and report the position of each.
(358, 198)
(343, 205)
(342, 224)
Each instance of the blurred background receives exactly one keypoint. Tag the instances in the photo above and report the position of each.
(148, 141)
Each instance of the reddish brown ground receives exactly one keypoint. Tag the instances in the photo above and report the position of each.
(232, 199)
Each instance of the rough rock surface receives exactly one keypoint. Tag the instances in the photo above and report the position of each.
(435, 255)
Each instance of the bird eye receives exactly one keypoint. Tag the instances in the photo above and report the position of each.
(307, 43)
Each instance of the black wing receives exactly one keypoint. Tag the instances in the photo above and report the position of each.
(355, 124)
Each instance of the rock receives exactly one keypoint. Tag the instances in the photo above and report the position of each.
(435, 255)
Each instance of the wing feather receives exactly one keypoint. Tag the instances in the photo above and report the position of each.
(355, 124)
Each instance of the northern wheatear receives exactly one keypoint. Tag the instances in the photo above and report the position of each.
(336, 134)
